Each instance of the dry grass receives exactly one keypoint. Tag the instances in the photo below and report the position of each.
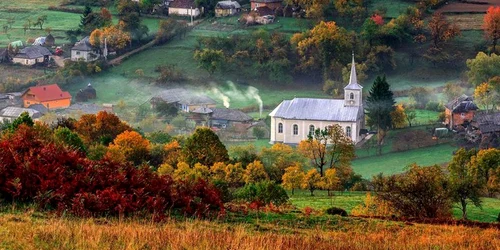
(26, 232)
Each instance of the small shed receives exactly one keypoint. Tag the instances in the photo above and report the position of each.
(50, 40)
(86, 94)
(227, 8)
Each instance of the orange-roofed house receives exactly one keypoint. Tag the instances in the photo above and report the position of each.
(50, 96)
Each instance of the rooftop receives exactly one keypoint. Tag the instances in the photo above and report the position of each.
(83, 45)
(185, 97)
(461, 104)
(33, 52)
(317, 110)
(230, 115)
(48, 93)
(183, 4)
(14, 112)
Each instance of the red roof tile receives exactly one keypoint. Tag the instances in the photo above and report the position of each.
(48, 93)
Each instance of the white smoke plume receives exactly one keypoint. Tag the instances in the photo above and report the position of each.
(253, 92)
(225, 99)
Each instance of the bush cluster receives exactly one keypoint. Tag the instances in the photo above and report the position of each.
(336, 211)
(36, 169)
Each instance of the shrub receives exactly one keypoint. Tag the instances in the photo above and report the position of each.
(336, 211)
(265, 192)
(259, 133)
(434, 106)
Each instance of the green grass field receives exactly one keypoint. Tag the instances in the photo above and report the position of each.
(349, 200)
(392, 163)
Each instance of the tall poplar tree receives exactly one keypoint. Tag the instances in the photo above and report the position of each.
(380, 104)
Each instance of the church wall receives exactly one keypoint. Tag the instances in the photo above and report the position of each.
(303, 129)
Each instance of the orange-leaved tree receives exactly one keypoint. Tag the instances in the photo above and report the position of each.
(130, 146)
(101, 128)
(491, 25)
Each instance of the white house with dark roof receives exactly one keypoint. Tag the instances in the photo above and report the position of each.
(83, 50)
(32, 55)
(293, 120)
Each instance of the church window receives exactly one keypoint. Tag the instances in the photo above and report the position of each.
(280, 127)
(351, 96)
(295, 129)
(311, 130)
(348, 131)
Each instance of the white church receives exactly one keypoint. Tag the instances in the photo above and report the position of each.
(293, 120)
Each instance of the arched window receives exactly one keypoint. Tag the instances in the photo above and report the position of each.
(295, 129)
(348, 131)
(280, 127)
(311, 130)
(351, 96)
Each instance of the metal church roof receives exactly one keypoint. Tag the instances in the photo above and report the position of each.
(317, 109)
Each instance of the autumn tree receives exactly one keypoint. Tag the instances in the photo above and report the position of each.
(491, 25)
(40, 20)
(483, 67)
(380, 104)
(322, 47)
(234, 174)
(312, 181)
(410, 115)
(70, 139)
(101, 128)
(204, 147)
(255, 172)
(485, 96)
(441, 30)
(331, 181)
(464, 186)
(209, 59)
(130, 146)
(279, 157)
(398, 117)
(314, 8)
(329, 147)
(420, 192)
(293, 178)
(452, 91)
(172, 151)
(116, 38)
(486, 166)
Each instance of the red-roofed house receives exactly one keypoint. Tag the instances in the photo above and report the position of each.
(50, 96)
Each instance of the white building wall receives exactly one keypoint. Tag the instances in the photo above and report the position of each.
(76, 55)
(288, 137)
(25, 61)
(184, 12)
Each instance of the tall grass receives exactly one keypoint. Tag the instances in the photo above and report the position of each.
(24, 232)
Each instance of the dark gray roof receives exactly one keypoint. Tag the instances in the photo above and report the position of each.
(84, 108)
(33, 52)
(14, 112)
(83, 45)
(461, 104)
(488, 122)
(266, 1)
(183, 4)
(40, 108)
(228, 5)
(202, 110)
(230, 115)
(317, 110)
(185, 97)
(3, 96)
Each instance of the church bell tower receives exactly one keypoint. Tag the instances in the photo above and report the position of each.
(353, 91)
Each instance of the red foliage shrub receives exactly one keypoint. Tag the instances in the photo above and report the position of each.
(33, 169)
(378, 19)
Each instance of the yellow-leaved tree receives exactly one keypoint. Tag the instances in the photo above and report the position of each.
(255, 172)
(293, 178)
(234, 174)
(218, 171)
(116, 38)
(398, 117)
(331, 181)
(312, 181)
(129, 146)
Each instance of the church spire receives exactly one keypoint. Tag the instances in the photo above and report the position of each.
(353, 79)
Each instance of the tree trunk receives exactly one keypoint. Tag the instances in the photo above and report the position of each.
(464, 208)
(292, 190)
(312, 192)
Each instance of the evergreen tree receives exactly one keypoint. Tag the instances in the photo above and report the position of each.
(380, 104)
(204, 147)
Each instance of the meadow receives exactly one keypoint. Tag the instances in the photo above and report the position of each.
(40, 231)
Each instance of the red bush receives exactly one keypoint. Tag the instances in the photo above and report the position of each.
(33, 169)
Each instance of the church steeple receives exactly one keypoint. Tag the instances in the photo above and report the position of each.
(353, 91)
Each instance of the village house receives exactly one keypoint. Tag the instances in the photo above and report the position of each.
(294, 120)
(184, 8)
(271, 4)
(227, 8)
(83, 50)
(184, 100)
(11, 113)
(485, 128)
(32, 55)
(229, 118)
(459, 111)
(50, 96)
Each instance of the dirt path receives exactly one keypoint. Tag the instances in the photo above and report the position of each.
(59, 61)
